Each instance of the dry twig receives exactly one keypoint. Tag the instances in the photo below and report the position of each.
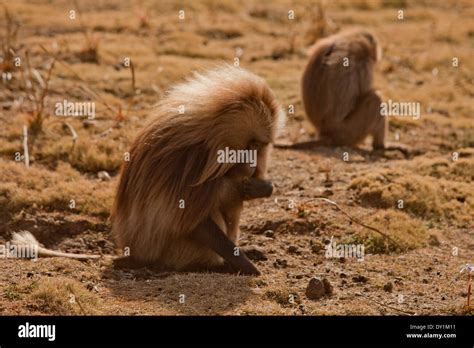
(386, 305)
(87, 89)
(132, 68)
(357, 221)
(8, 40)
(76, 300)
(37, 96)
(74, 135)
(25, 146)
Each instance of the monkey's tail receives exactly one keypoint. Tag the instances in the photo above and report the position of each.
(26, 239)
(301, 146)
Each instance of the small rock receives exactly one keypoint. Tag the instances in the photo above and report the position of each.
(328, 288)
(88, 124)
(315, 289)
(360, 279)
(269, 233)
(293, 249)
(103, 175)
(255, 253)
(343, 275)
(280, 263)
(388, 287)
(302, 308)
(300, 226)
(29, 274)
(316, 248)
(101, 242)
(328, 193)
(433, 240)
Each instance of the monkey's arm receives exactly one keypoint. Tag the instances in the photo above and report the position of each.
(256, 188)
(210, 235)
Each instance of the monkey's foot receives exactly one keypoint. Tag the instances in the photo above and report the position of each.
(404, 149)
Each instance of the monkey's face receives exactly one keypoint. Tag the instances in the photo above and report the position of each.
(262, 149)
(241, 171)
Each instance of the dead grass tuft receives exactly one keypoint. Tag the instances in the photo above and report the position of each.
(460, 170)
(319, 25)
(283, 297)
(8, 40)
(426, 197)
(37, 93)
(61, 296)
(64, 190)
(93, 158)
(90, 52)
(407, 232)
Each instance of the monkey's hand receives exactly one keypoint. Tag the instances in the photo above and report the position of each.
(256, 188)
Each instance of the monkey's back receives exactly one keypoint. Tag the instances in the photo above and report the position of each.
(152, 213)
(338, 72)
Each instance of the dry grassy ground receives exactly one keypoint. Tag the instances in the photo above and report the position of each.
(433, 230)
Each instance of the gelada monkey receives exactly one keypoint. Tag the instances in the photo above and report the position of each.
(177, 206)
(338, 95)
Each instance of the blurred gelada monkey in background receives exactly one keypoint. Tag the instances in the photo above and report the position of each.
(338, 95)
(178, 205)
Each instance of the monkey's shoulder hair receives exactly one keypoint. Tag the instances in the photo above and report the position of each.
(354, 44)
(175, 156)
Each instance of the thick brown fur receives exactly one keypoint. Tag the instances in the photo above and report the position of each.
(340, 100)
(174, 159)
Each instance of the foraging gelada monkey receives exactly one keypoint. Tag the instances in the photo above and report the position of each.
(337, 91)
(177, 206)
